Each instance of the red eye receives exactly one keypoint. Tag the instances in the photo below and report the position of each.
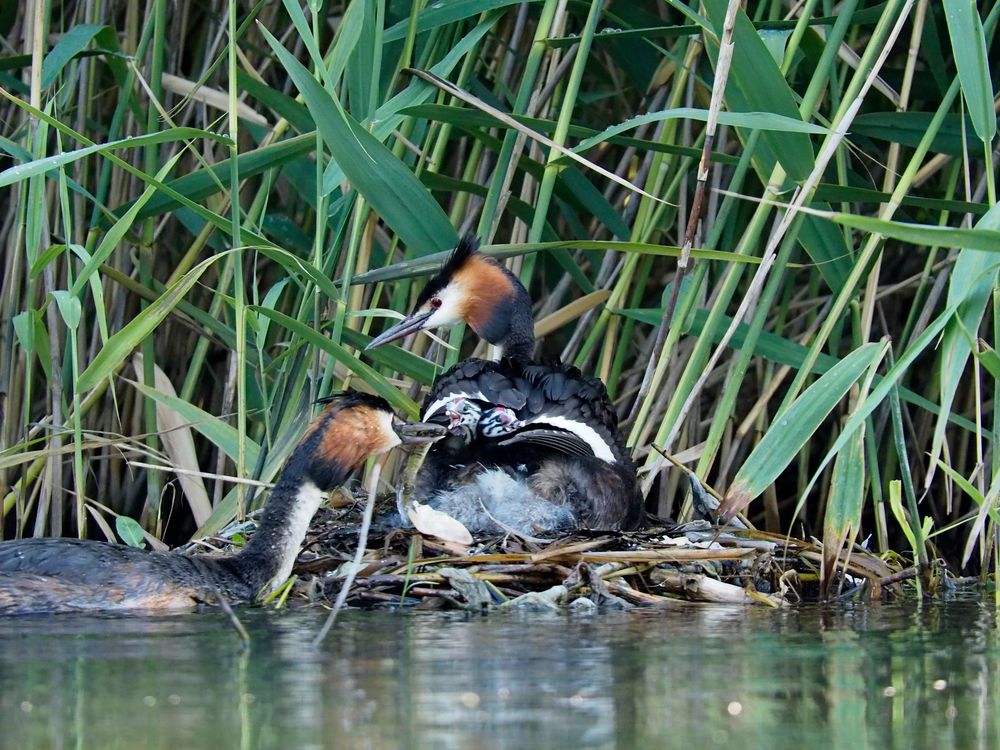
(435, 302)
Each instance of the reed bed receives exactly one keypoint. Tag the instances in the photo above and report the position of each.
(769, 227)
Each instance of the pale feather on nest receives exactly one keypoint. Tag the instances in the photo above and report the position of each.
(495, 503)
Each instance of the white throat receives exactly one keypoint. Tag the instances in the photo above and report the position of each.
(307, 501)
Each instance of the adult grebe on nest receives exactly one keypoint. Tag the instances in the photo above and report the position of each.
(73, 575)
(532, 447)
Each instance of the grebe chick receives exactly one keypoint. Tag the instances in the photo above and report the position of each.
(548, 427)
(73, 575)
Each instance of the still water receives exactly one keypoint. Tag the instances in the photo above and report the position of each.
(880, 676)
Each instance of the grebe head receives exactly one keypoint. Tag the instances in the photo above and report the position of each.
(352, 427)
(462, 413)
(476, 289)
(499, 421)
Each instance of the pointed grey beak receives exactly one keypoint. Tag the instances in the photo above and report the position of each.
(418, 433)
(409, 324)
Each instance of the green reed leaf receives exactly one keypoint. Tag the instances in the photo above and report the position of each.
(968, 44)
(786, 437)
(385, 182)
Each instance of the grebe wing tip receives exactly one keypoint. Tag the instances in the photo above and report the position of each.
(560, 440)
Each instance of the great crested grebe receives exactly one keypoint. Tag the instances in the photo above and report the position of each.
(72, 575)
(531, 447)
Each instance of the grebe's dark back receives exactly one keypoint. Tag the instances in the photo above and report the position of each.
(65, 575)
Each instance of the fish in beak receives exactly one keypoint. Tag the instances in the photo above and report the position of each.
(409, 324)
(418, 433)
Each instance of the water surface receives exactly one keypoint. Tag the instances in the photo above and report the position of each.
(882, 676)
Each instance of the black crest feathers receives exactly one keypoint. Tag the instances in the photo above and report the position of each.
(467, 247)
(347, 399)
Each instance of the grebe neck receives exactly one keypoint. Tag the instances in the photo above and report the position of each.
(510, 324)
(267, 559)
(518, 345)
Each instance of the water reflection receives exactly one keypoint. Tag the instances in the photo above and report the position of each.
(898, 676)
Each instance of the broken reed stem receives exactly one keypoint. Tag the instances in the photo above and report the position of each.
(359, 553)
(233, 619)
(697, 205)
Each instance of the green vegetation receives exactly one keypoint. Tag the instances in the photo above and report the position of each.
(205, 216)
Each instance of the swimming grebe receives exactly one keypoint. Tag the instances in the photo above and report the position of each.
(531, 446)
(67, 575)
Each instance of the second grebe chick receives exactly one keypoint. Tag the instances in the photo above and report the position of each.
(72, 575)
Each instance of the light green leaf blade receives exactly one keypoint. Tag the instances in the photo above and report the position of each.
(846, 500)
(20, 172)
(223, 436)
(69, 45)
(749, 120)
(305, 33)
(896, 505)
(756, 85)
(984, 238)
(24, 329)
(785, 437)
(375, 381)
(969, 289)
(843, 510)
(121, 344)
(968, 44)
(386, 183)
(69, 308)
(988, 358)
(348, 34)
(441, 14)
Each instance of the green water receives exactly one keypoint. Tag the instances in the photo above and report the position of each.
(880, 676)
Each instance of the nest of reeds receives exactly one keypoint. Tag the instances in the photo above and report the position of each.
(661, 564)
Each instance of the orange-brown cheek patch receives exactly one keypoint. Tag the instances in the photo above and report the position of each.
(343, 444)
(355, 435)
(486, 285)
